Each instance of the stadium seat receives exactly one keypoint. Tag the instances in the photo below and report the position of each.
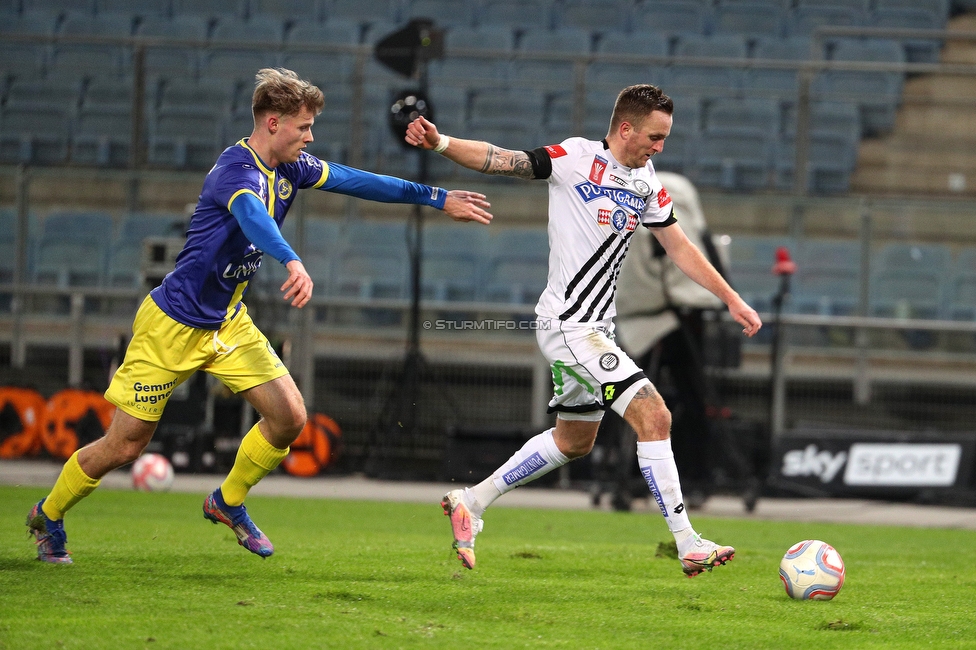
(142, 8)
(762, 20)
(321, 242)
(210, 8)
(37, 134)
(555, 74)
(59, 93)
(102, 135)
(363, 12)
(830, 164)
(516, 266)
(445, 13)
(478, 71)
(230, 63)
(303, 12)
(743, 116)
(181, 61)
(828, 277)
(603, 17)
(612, 76)
(324, 66)
(78, 59)
(516, 108)
(734, 160)
(452, 256)
(72, 249)
(371, 260)
(676, 17)
(751, 260)
(916, 50)
(515, 13)
(877, 93)
(125, 253)
(717, 80)
(909, 280)
(8, 239)
(803, 20)
(961, 294)
(777, 82)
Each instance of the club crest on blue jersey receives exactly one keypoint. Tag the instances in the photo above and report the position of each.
(284, 189)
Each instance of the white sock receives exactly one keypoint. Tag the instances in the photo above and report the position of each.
(656, 462)
(537, 457)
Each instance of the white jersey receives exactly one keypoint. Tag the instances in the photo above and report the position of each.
(595, 205)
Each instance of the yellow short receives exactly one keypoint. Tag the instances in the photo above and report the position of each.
(164, 353)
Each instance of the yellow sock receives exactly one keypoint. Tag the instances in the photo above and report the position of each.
(72, 486)
(255, 458)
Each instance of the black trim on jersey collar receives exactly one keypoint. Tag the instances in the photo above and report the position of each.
(606, 145)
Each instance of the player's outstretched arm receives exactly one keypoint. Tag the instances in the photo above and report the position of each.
(462, 205)
(696, 266)
(298, 286)
(480, 156)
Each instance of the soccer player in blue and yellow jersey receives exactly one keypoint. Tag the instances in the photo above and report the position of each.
(195, 319)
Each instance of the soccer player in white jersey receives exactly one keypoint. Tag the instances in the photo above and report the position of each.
(599, 192)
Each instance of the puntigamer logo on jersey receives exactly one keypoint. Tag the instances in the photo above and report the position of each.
(284, 188)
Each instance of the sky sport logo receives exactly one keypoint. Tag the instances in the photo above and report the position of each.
(486, 325)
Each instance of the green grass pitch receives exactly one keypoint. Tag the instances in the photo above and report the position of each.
(150, 572)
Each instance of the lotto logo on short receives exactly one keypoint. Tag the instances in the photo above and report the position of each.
(609, 361)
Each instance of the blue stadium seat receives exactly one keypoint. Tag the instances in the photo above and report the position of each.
(474, 72)
(445, 13)
(715, 80)
(303, 12)
(755, 116)
(909, 280)
(516, 108)
(751, 260)
(452, 257)
(517, 266)
(916, 50)
(231, 63)
(83, 58)
(324, 66)
(673, 17)
(321, 243)
(878, 93)
(181, 61)
(516, 13)
(125, 253)
(777, 82)
(612, 76)
(828, 277)
(605, 17)
(59, 93)
(554, 73)
(763, 20)
(371, 260)
(108, 92)
(102, 135)
(803, 20)
(830, 164)
(34, 134)
(141, 8)
(961, 294)
(363, 12)
(734, 161)
(210, 8)
(72, 249)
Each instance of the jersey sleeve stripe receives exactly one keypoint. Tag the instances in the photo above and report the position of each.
(244, 191)
(325, 176)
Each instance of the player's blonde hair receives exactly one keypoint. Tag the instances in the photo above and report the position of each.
(635, 103)
(281, 91)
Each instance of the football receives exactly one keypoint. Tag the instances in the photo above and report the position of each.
(152, 473)
(812, 570)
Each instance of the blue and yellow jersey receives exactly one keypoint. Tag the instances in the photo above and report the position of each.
(214, 267)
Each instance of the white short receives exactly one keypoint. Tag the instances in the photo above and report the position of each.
(589, 371)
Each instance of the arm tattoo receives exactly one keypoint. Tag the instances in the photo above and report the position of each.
(646, 392)
(505, 162)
